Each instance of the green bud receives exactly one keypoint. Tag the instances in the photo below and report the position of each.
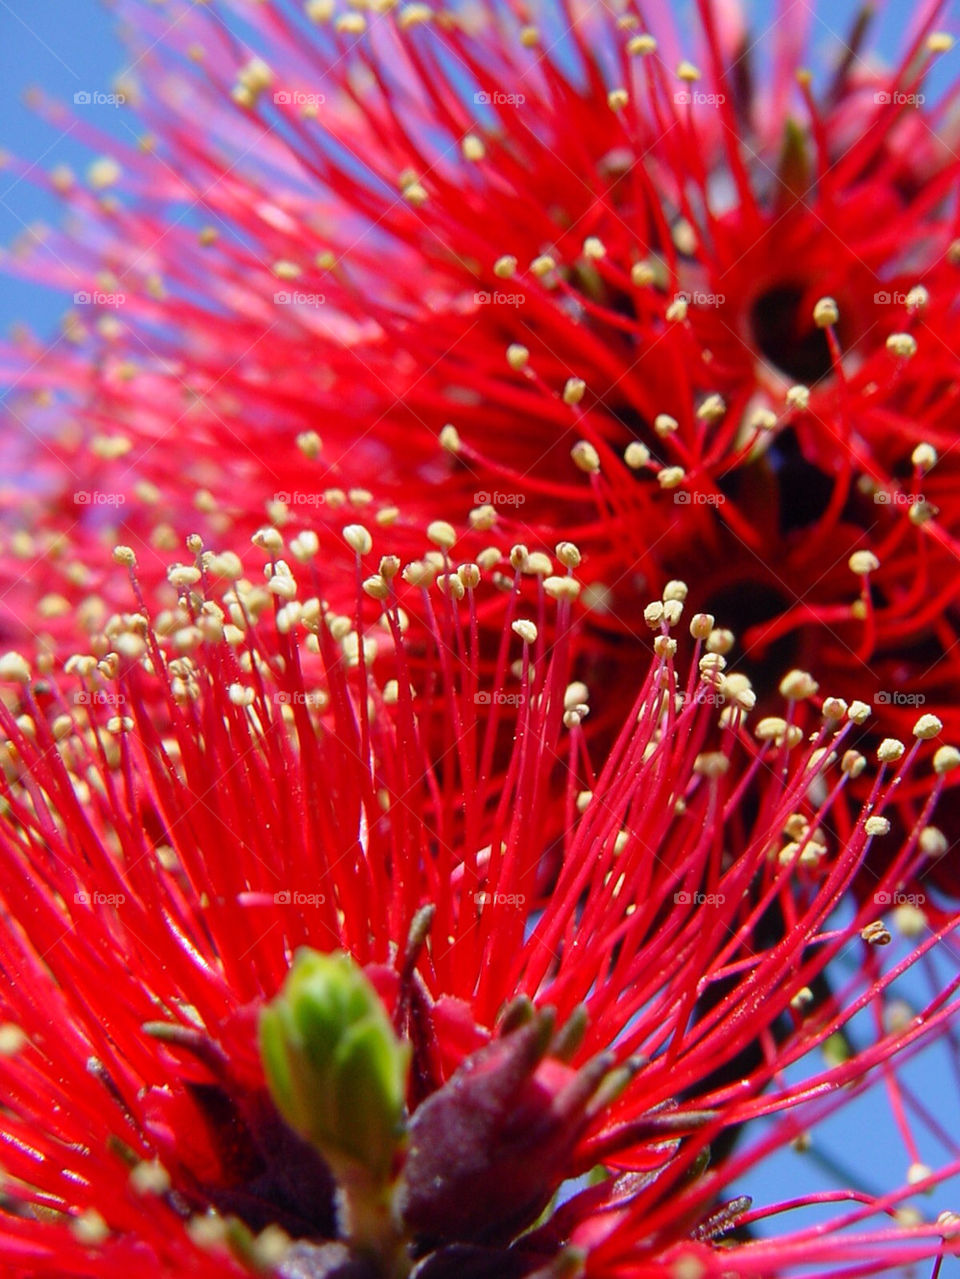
(335, 1068)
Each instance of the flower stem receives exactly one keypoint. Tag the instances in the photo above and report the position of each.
(370, 1222)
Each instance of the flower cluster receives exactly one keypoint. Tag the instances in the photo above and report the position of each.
(717, 297)
(411, 887)
(208, 791)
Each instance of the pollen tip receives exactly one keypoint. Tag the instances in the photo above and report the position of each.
(863, 562)
(358, 538)
(826, 313)
(586, 457)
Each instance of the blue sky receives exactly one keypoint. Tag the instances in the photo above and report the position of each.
(71, 46)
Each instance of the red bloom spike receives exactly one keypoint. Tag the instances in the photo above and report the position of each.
(158, 870)
(717, 297)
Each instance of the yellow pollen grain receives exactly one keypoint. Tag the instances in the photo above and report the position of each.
(358, 538)
(14, 667)
(641, 45)
(538, 564)
(149, 1178)
(561, 588)
(877, 826)
(483, 517)
(586, 457)
(268, 539)
(876, 934)
(653, 614)
(309, 444)
(12, 1039)
(853, 763)
(890, 750)
(415, 193)
(441, 534)
(902, 345)
(924, 457)
(636, 455)
(798, 685)
(927, 727)
(104, 172)
(863, 562)
(526, 630)
(946, 759)
(701, 625)
(89, 1228)
(826, 313)
(270, 1247)
(933, 842)
(568, 554)
(574, 391)
(351, 24)
(642, 274)
(412, 15)
(798, 398)
(712, 409)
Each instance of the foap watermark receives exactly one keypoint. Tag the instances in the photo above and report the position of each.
(683, 898)
(295, 298)
(694, 98)
(294, 98)
(498, 99)
(897, 697)
(498, 498)
(291, 897)
(888, 497)
(498, 699)
(99, 697)
(891, 297)
(95, 497)
(702, 696)
(95, 98)
(684, 497)
(299, 497)
(96, 298)
(99, 899)
(699, 298)
(898, 99)
(499, 299)
(499, 899)
(899, 899)
(300, 699)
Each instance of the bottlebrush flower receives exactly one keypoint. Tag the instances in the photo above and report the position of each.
(464, 246)
(554, 1007)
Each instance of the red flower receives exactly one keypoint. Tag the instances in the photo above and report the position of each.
(157, 872)
(697, 318)
(551, 239)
